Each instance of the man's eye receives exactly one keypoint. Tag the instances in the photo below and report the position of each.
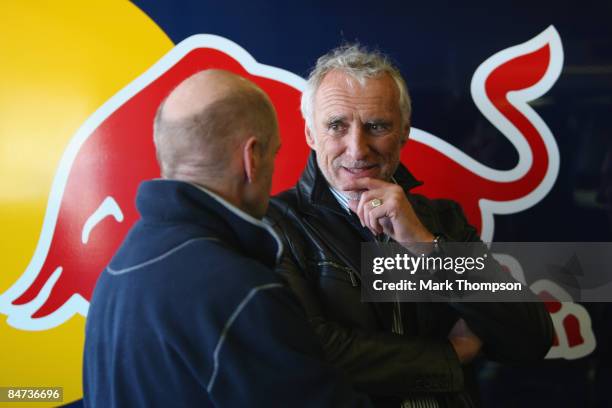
(335, 127)
(378, 127)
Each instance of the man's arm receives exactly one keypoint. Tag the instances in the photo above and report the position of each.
(378, 363)
(511, 332)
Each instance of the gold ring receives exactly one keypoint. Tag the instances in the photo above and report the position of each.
(377, 202)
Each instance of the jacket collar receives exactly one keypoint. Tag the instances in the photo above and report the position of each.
(313, 187)
(176, 201)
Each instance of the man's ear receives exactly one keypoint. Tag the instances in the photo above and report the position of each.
(309, 137)
(250, 158)
(406, 133)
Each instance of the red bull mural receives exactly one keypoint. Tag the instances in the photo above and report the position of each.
(91, 201)
(92, 204)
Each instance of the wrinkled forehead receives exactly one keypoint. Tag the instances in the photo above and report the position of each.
(340, 91)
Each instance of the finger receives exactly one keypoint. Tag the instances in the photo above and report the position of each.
(360, 209)
(364, 201)
(375, 216)
(354, 205)
(369, 195)
(379, 218)
(387, 226)
(367, 210)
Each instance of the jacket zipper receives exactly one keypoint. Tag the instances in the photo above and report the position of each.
(348, 270)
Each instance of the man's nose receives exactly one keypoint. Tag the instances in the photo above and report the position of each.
(357, 143)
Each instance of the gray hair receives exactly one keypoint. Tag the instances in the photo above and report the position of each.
(200, 147)
(361, 64)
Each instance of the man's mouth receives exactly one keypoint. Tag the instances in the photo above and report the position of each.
(363, 171)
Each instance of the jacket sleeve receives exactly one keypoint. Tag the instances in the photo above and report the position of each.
(378, 363)
(268, 356)
(511, 332)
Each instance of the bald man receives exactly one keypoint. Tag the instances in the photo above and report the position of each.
(189, 313)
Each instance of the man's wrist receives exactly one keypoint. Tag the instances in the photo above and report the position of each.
(422, 237)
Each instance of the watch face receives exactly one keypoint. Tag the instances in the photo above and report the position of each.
(438, 239)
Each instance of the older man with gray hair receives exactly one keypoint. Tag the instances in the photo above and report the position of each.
(189, 312)
(354, 189)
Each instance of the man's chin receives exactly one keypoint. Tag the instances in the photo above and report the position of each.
(353, 195)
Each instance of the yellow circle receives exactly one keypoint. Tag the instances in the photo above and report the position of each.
(61, 60)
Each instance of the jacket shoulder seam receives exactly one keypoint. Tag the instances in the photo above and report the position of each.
(159, 258)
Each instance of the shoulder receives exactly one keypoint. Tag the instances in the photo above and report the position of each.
(439, 205)
(284, 215)
(230, 268)
(283, 203)
(191, 263)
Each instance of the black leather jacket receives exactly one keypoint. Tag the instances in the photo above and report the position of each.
(321, 265)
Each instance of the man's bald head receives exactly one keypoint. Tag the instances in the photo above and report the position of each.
(202, 121)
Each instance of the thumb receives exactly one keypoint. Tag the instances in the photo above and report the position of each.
(353, 204)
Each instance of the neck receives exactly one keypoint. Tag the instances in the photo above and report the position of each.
(233, 200)
(229, 194)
